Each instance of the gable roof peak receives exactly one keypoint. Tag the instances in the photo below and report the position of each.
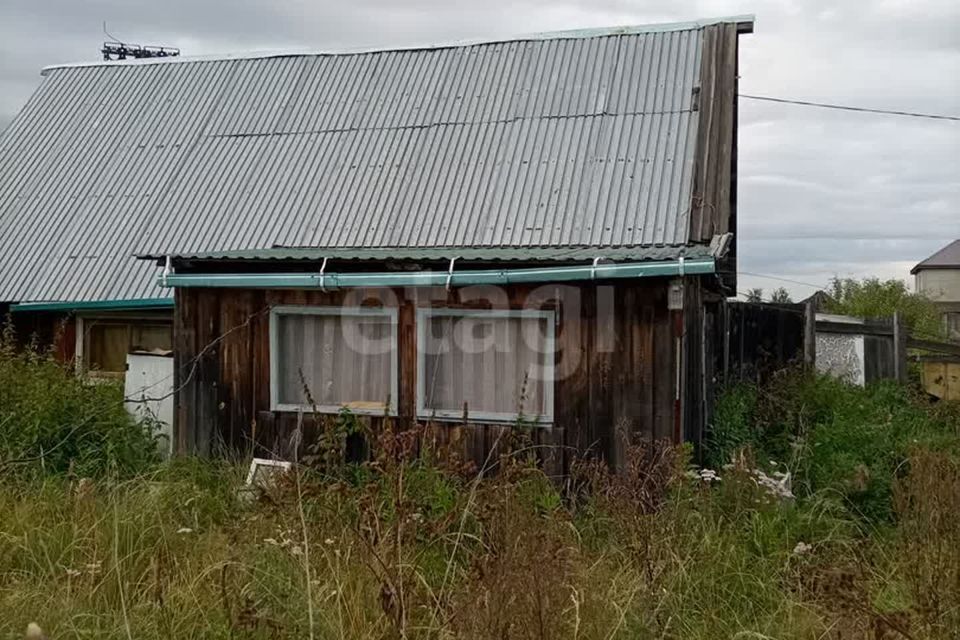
(744, 25)
(946, 258)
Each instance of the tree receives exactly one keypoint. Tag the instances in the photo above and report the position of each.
(872, 298)
(780, 296)
(755, 295)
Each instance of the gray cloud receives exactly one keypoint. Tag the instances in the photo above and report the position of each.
(821, 193)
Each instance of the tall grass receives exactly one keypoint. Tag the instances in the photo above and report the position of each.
(177, 555)
(418, 547)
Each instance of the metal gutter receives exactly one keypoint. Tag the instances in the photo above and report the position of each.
(440, 278)
(102, 305)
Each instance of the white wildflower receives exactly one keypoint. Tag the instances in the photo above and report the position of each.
(328, 541)
(778, 485)
(73, 573)
(709, 475)
(34, 632)
(296, 550)
(801, 548)
(705, 475)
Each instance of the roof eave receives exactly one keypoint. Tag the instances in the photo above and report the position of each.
(934, 267)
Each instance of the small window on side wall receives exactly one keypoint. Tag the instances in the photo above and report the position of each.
(332, 358)
(951, 321)
(485, 366)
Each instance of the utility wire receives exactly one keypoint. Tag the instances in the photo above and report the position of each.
(761, 275)
(824, 105)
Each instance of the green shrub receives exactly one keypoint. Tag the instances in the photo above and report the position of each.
(52, 422)
(734, 427)
(834, 437)
(875, 298)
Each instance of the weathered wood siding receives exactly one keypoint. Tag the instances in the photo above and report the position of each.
(615, 361)
(713, 208)
(46, 330)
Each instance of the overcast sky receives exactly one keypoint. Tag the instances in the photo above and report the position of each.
(821, 193)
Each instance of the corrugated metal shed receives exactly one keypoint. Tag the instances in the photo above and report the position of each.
(585, 139)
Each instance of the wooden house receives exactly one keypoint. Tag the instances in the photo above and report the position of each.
(533, 231)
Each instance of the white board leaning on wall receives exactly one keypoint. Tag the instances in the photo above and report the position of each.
(148, 389)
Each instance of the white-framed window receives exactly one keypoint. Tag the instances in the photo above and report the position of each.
(344, 357)
(487, 365)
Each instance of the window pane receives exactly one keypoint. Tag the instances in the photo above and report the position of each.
(953, 325)
(151, 337)
(343, 359)
(486, 364)
(107, 346)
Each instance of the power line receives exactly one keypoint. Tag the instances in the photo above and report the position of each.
(824, 105)
(760, 275)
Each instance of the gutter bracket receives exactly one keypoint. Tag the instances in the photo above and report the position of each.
(166, 272)
(680, 267)
(450, 272)
(593, 268)
(323, 268)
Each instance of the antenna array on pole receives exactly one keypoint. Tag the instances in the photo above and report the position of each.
(123, 51)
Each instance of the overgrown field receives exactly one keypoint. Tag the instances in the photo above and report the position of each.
(114, 545)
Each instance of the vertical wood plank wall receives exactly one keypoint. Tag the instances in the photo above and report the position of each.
(57, 331)
(713, 208)
(617, 354)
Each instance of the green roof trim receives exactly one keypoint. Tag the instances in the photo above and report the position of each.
(341, 280)
(462, 254)
(101, 305)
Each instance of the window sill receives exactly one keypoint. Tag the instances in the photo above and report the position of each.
(102, 377)
(357, 408)
(506, 420)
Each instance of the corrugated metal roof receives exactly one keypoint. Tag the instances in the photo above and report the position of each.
(577, 140)
(462, 254)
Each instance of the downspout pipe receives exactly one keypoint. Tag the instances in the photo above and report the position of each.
(331, 281)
